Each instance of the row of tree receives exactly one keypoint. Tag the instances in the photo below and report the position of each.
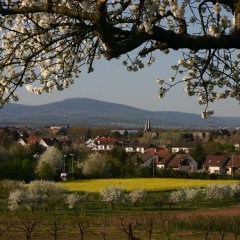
(150, 227)
(40, 195)
(47, 195)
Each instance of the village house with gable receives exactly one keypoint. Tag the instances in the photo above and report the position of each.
(183, 162)
(183, 147)
(233, 165)
(215, 164)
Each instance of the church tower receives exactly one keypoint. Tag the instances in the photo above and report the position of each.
(147, 127)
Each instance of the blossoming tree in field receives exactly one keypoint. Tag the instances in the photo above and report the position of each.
(96, 166)
(50, 164)
(37, 194)
(44, 43)
(112, 195)
(137, 196)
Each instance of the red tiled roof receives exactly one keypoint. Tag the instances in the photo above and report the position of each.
(184, 145)
(150, 151)
(165, 160)
(106, 139)
(32, 139)
(162, 152)
(215, 160)
(178, 159)
(234, 161)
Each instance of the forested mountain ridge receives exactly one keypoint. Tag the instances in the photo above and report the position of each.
(85, 111)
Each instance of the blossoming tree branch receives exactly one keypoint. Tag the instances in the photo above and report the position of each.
(44, 43)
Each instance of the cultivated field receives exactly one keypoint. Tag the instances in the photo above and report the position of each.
(149, 184)
(177, 215)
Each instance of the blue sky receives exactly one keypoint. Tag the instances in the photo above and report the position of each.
(112, 82)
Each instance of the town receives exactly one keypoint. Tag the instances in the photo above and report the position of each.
(71, 152)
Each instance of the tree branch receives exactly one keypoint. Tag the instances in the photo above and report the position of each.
(47, 8)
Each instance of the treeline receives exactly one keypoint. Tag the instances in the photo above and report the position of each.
(25, 226)
(35, 162)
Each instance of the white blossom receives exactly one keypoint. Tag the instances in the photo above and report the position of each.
(160, 81)
(112, 195)
(206, 114)
(45, 51)
(72, 200)
(137, 195)
(217, 8)
(35, 194)
(16, 198)
(133, 8)
(178, 196)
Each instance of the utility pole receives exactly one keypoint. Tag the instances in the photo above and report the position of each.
(153, 167)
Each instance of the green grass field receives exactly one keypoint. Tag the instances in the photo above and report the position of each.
(149, 184)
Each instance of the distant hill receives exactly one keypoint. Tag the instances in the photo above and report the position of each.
(84, 111)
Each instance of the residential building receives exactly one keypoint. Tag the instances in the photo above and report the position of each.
(215, 164)
(183, 147)
(164, 160)
(183, 162)
(233, 165)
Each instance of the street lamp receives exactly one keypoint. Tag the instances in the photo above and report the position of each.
(64, 163)
(64, 174)
(72, 160)
(153, 167)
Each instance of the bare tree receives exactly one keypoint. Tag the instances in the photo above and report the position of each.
(167, 227)
(5, 225)
(44, 43)
(83, 225)
(221, 226)
(55, 227)
(148, 225)
(127, 227)
(208, 224)
(104, 229)
(234, 225)
(27, 225)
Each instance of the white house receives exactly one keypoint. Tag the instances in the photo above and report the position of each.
(90, 143)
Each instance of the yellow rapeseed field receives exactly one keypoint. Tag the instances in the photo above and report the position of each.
(149, 184)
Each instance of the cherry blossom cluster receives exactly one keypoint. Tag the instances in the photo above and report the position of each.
(44, 49)
(211, 192)
(209, 75)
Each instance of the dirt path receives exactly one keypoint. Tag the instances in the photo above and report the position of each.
(229, 211)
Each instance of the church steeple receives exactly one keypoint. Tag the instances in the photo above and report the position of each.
(147, 127)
